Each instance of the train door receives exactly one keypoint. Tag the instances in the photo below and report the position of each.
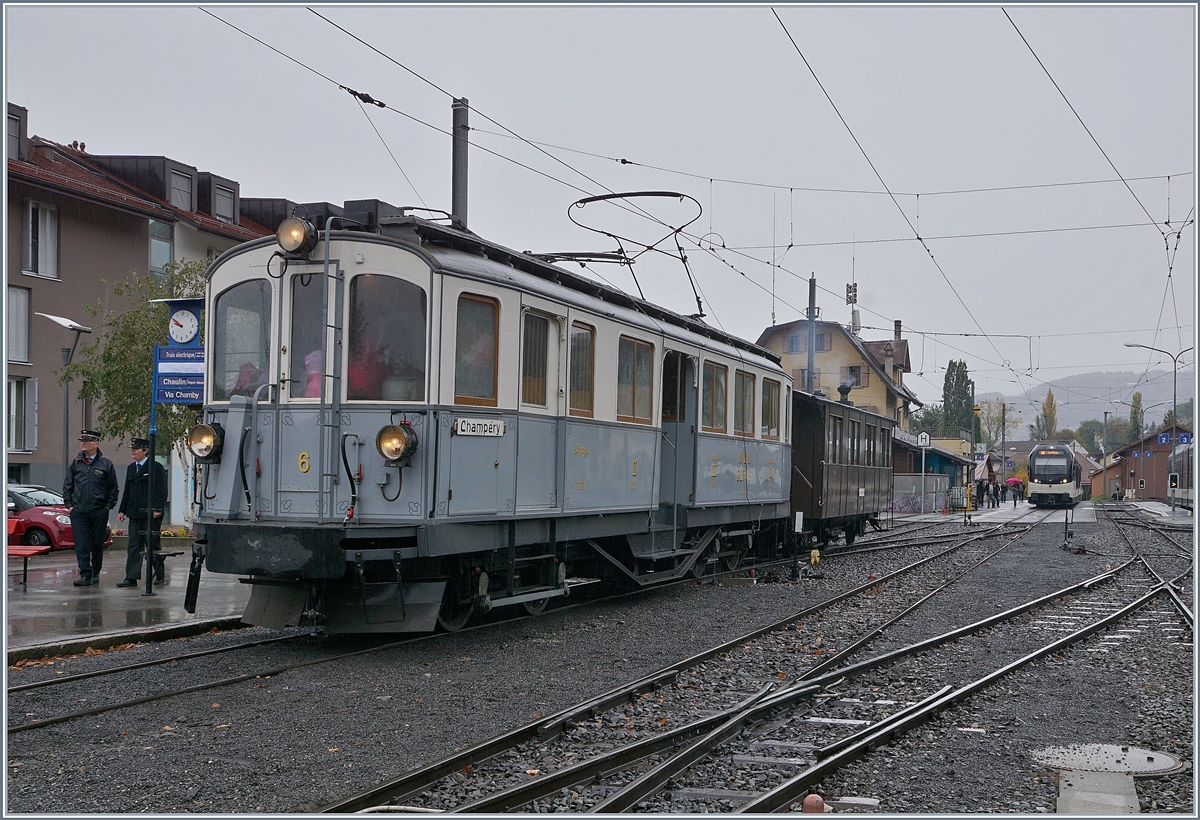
(542, 402)
(678, 457)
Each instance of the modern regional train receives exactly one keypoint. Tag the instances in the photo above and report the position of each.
(1055, 477)
(406, 425)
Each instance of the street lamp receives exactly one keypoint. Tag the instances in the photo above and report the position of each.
(68, 353)
(1174, 404)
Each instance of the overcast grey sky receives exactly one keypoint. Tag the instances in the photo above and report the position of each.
(1032, 239)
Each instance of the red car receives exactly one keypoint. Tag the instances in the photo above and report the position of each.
(45, 517)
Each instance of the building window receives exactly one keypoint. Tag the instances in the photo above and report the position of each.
(798, 343)
(712, 398)
(800, 375)
(18, 324)
(222, 204)
(635, 375)
(855, 376)
(21, 421)
(162, 246)
(14, 137)
(181, 190)
(743, 403)
(475, 350)
(535, 349)
(39, 229)
(583, 346)
(770, 409)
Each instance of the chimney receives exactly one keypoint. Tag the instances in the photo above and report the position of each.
(844, 392)
(897, 325)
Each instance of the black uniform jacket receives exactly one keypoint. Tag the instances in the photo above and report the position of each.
(91, 488)
(133, 501)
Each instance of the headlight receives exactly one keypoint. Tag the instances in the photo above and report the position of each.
(205, 441)
(63, 519)
(396, 441)
(296, 236)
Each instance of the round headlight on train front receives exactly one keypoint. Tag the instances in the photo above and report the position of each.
(296, 235)
(396, 441)
(204, 441)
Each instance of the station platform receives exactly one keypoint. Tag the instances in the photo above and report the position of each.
(1084, 512)
(51, 612)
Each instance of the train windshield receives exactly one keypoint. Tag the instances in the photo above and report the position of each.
(1052, 466)
(387, 340)
(241, 340)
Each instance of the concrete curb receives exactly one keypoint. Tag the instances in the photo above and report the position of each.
(104, 641)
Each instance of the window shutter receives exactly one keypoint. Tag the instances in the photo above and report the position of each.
(797, 375)
(49, 241)
(31, 400)
(865, 377)
(18, 324)
(845, 375)
(26, 257)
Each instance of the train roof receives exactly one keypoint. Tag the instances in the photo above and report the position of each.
(456, 250)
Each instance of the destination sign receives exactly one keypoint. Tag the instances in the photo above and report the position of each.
(179, 396)
(478, 427)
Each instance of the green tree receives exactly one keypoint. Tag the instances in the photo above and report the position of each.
(1137, 418)
(1046, 423)
(1090, 433)
(993, 417)
(957, 400)
(929, 419)
(117, 369)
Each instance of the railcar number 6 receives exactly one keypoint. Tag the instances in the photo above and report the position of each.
(303, 462)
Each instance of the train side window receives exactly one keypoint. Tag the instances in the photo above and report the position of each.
(855, 443)
(770, 409)
(712, 399)
(635, 375)
(475, 350)
(583, 365)
(387, 339)
(534, 356)
(885, 447)
(833, 451)
(872, 441)
(672, 402)
(743, 403)
(306, 353)
(241, 340)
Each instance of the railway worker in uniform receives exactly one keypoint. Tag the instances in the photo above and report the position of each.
(89, 492)
(134, 504)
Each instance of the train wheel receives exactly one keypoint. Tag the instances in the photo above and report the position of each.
(851, 534)
(730, 562)
(454, 613)
(535, 607)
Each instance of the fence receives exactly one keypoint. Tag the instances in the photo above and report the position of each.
(907, 496)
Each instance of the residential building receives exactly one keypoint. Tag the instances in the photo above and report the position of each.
(76, 223)
(873, 370)
(1148, 459)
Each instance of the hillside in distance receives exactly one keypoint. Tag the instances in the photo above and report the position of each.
(1087, 395)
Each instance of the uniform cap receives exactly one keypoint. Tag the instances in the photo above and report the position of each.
(139, 443)
(89, 435)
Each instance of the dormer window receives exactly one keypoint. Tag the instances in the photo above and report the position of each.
(223, 203)
(14, 137)
(181, 190)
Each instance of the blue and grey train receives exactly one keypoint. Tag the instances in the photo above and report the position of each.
(1055, 477)
(406, 424)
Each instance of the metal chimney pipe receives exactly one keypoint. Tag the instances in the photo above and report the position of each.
(458, 175)
(810, 385)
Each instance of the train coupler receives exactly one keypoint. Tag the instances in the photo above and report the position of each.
(193, 584)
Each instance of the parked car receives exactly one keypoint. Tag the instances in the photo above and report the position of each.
(45, 517)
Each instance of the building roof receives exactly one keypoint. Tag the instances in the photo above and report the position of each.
(57, 173)
(248, 229)
(899, 352)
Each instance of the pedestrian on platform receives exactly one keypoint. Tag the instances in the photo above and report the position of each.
(995, 494)
(135, 504)
(89, 492)
(1016, 491)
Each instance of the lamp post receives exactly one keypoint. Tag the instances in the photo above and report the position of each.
(1174, 404)
(68, 353)
(1104, 451)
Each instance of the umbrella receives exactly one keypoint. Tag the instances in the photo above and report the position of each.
(1013, 480)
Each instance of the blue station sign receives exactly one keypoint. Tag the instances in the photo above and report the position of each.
(179, 375)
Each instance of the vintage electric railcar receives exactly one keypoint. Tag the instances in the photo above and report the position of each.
(1054, 477)
(406, 424)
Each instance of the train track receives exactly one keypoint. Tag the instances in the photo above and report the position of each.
(761, 732)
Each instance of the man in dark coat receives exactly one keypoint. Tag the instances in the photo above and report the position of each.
(89, 492)
(134, 504)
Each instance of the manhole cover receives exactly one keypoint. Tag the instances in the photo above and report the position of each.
(1105, 757)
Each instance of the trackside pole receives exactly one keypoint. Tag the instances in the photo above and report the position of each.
(151, 530)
